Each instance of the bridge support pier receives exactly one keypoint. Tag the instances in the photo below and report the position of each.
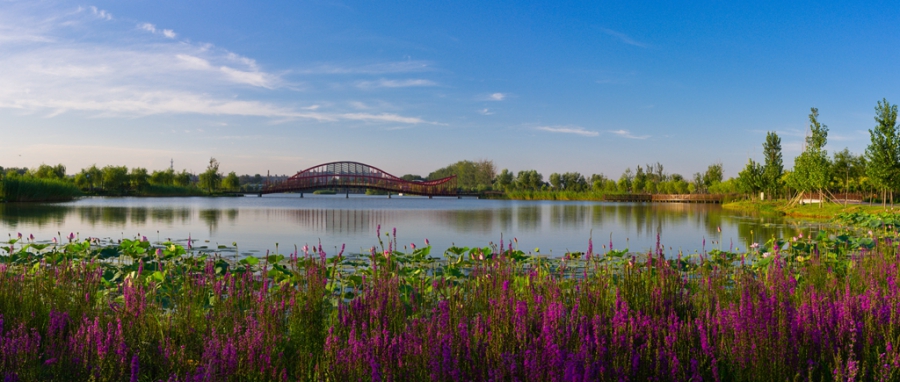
(259, 195)
(348, 195)
(389, 195)
(301, 195)
(429, 196)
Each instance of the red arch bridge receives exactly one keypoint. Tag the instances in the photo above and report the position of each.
(359, 176)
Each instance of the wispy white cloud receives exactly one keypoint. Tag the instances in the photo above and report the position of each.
(485, 111)
(253, 78)
(383, 117)
(577, 130)
(624, 38)
(497, 97)
(377, 68)
(384, 83)
(48, 71)
(628, 134)
(101, 14)
(152, 29)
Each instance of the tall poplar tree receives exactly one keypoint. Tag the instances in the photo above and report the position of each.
(883, 153)
(812, 168)
(773, 168)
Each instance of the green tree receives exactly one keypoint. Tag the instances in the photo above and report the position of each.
(81, 181)
(773, 168)
(883, 153)
(848, 171)
(211, 178)
(470, 175)
(139, 179)
(751, 179)
(231, 182)
(574, 181)
(712, 175)
(504, 180)
(556, 181)
(624, 184)
(115, 178)
(94, 176)
(812, 167)
(183, 179)
(163, 178)
(597, 181)
(697, 185)
(640, 180)
(529, 180)
(45, 171)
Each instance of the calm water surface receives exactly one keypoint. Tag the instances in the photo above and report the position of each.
(257, 223)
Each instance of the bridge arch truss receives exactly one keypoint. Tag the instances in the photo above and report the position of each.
(355, 175)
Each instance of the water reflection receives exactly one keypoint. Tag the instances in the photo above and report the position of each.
(259, 222)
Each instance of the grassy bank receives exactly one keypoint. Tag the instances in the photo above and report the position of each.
(812, 308)
(813, 211)
(28, 189)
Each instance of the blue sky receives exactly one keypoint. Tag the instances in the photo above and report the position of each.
(409, 87)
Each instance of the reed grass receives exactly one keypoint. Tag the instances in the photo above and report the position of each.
(29, 189)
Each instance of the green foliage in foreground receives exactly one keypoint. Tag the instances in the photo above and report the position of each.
(29, 189)
(819, 306)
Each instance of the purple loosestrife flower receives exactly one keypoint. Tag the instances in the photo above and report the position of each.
(135, 367)
(426, 242)
(19, 235)
(590, 251)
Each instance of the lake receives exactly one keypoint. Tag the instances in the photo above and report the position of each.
(256, 224)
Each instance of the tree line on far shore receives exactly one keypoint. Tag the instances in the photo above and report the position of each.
(120, 180)
(877, 171)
